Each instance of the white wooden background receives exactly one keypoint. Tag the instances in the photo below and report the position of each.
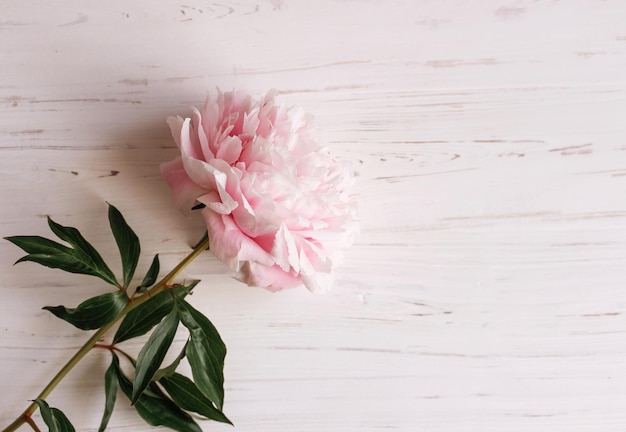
(487, 290)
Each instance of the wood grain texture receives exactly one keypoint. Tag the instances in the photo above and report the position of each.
(486, 291)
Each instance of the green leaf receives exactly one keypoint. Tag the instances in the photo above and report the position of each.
(158, 410)
(171, 368)
(84, 250)
(94, 312)
(205, 352)
(54, 418)
(127, 243)
(55, 255)
(110, 393)
(140, 320)
(153, 352)
(187, 396)
(153, 273)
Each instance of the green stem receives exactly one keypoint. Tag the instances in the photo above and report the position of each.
(113, 349)
(160, 286)
(32, 424)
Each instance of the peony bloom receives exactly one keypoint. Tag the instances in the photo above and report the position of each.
(277, 206)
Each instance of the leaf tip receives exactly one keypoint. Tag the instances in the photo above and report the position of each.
(134, 398)
(52, 224)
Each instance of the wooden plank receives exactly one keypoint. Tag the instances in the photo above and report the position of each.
(486, 289)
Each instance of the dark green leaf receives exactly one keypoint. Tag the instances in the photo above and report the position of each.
(94, 312)
(187, 396)
(127, 243)
(84, 250)
(110, 393)
(153, 273)
(153, 352)
(171, 368)
(158, 410)
(55, 255)
(205, 352)
(155, 391)
(54, 418)
(140, 320)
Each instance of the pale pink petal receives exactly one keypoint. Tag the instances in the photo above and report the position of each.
(184, 189)
(213, 201)
(221, 179)
(176, 125)
(229, 149)
(272, 278)
(204, 141)
(251, 123)
(200, 172)
(312, 256)
(261, 220)
(189, 141)
(210, 116)
(284, 250)
(229, 244)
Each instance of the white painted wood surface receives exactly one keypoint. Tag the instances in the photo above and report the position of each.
(487, 291)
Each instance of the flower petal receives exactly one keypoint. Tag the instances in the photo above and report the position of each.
(229, 244)
(185, 190)
(284, 250)
(272, 278)
(229, 149)
(175, 124)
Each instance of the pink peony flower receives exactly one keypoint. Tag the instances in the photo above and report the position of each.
(278, 208)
